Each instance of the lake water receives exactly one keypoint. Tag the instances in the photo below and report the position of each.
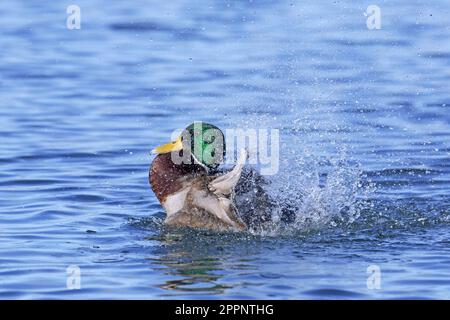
(364, 120)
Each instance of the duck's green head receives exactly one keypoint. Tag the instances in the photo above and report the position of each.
(200, 142)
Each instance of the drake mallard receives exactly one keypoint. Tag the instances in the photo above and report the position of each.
(185, 180)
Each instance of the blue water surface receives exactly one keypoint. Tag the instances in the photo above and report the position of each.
(81, 109)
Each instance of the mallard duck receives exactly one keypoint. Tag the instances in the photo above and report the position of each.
(184, 178)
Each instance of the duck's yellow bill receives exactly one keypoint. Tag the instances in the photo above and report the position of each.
(176, 145)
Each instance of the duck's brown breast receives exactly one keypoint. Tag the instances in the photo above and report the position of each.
(166, 177)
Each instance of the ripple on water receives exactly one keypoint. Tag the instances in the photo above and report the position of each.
(363, 122)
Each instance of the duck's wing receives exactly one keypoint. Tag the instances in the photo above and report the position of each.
(217, 199)
(225, 184)
(220, 206)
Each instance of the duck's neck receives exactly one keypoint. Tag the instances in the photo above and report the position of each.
(164, 175)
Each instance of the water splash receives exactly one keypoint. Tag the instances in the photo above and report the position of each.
(319, 183)
(312, 195)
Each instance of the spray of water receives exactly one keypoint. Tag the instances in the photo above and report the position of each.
(318, 186)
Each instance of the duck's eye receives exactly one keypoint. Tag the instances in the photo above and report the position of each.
(180, 153)
(213, 153)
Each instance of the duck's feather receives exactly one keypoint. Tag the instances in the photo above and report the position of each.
(206, 201)
(225, 184)
(220, 207)
(175, 202)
